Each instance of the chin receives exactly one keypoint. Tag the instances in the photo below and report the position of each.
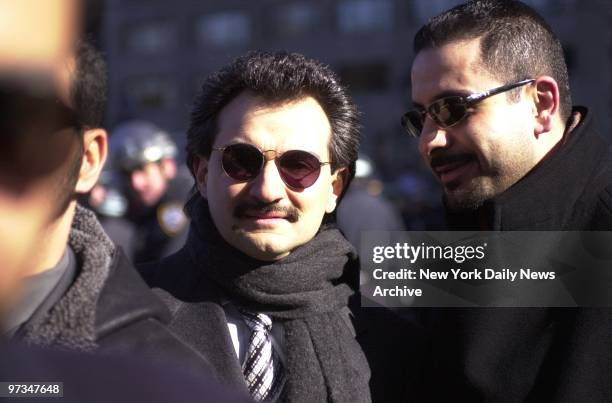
(267, 255)
(471, 195)
(264, 247)
(465, 199)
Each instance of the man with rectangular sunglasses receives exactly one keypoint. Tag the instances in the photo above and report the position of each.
(262, 285)
(494, 120)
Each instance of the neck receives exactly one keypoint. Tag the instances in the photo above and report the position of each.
(54, 242)
(550, 143)
(555, 138)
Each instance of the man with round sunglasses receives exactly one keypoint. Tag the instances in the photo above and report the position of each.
(494, 121)
(262, 285)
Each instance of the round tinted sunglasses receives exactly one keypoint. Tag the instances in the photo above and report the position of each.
(449, 111)
(243, 162)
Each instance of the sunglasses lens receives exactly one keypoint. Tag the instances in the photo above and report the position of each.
(449, 111)
(299, 169)
(413, 123)
(242, 162)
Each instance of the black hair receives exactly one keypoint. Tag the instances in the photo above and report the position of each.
(88, 89)
(516, 42)
(277, 78)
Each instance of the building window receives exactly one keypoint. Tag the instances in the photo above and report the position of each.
(355, 16)
(150, 92)
(295, 19)
(366, 77)
(223, 29)
(150, 37)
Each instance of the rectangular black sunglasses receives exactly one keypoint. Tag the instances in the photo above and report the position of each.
(449, 111)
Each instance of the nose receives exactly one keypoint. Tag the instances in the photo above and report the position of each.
(268, 186)
(433, 137)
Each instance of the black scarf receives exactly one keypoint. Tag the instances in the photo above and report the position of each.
(324, 361)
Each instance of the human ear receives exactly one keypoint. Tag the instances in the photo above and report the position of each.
(95, 150)
(339, 180)
(200, 169)
(545, 98)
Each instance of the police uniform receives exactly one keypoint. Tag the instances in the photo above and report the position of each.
(151, 232)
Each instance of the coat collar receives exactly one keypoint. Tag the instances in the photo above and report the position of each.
(545, 198)
(106, 295)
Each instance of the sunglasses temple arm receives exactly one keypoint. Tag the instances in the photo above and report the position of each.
(485, 94)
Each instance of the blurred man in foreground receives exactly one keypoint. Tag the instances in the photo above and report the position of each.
(26, 69)
(45, 149)
(77, 290)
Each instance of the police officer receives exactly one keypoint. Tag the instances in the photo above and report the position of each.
(143, 192)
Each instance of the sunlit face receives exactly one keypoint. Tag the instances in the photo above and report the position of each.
(488, 151)
(148, 183)
(264, 218)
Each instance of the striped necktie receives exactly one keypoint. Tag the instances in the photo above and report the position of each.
(262, 367)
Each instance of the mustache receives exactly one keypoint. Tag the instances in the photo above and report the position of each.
(441, 158)
(247, 208)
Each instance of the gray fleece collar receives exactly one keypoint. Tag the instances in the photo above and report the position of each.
(71, 322)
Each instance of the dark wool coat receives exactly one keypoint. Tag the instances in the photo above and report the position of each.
(108, 307)
(108, 379)
(533, 354)
(393, 345)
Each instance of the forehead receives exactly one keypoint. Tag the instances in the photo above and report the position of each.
(453, 68)
(300, 124)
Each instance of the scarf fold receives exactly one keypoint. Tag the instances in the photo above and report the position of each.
(302, 291)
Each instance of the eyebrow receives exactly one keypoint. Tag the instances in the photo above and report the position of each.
(445, 94)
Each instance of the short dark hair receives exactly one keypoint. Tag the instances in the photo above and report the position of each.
(277, 77)
(516, 42)
(88, 89)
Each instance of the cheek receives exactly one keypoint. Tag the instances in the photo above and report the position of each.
(422, 148)
(313, 202)
(137, 180)
(220, 203)
(222, 194)
(498, 137)
(233, 193)
(23, 223)
(478, 137)
(161, 183)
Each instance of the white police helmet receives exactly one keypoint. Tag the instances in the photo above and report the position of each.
(134, 143)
